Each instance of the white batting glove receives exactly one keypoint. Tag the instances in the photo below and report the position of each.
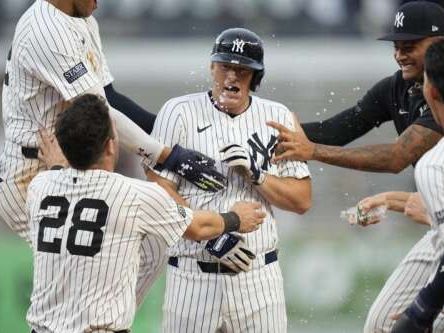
(237, 156)
(230, 250)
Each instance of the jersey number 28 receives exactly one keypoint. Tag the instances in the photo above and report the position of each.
(95, 227)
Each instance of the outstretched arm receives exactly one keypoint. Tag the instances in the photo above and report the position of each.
(140, 116)
(393, 157)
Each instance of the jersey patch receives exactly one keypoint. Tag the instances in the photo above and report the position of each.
(440, 217)
(75, 73)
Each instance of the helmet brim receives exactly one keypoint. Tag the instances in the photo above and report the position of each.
(231, 58)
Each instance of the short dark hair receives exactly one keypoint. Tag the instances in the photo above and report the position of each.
(83, 129)
(434, 65)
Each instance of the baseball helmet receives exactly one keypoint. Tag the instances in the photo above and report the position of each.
(241, 47)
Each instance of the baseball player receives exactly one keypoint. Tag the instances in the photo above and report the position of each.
(429, 176)
(396, 98)
(87, 225)
(56, 55)
(206, 291)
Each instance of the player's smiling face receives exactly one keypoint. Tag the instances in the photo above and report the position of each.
(410, 57)
(84, 8)
(231, 86)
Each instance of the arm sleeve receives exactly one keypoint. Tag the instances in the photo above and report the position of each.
(169, 129)
(143, 118)
(295, 169)
(371, 111)
(58, 58)
(161, 216)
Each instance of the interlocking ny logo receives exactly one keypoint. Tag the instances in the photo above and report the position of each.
(238, 46)
(265, 151)
(399, 19)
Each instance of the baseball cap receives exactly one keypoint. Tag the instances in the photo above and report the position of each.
(417, 20)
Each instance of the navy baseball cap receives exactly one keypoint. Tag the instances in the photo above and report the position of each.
(417, 20)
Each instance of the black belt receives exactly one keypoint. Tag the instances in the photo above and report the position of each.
(30, 152)
(122, 331)
(215, 267)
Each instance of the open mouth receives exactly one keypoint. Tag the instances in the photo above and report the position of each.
(232, 89)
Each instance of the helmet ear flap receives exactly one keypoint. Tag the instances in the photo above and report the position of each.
(256, 79)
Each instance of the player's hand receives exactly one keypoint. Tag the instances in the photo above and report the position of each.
(196, 168)
(250, 214)
(293, 145)
(415, 209)
(231, 250)
(236, 156)
(367, 204)
(50, 152)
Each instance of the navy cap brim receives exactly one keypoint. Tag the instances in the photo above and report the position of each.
(401, 36)
(237, 59)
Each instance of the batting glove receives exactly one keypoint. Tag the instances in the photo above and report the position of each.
(196, 168)
(237, 156)
(231, 251)
(417, 318)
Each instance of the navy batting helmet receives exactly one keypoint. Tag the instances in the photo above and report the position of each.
(241, 47)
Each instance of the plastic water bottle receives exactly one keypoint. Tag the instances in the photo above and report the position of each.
(354, 215)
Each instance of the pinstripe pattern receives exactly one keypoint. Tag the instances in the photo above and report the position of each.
(421, 262)
(248, 302)
(46, 44)
(77, 293)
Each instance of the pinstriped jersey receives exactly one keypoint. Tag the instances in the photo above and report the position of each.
(53, 58)
(194, 122)
(429, 176)
(86, 229)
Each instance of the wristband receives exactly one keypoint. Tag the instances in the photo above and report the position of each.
(231, 221)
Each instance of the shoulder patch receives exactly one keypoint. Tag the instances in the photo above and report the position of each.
(182, 211)
(75, 73)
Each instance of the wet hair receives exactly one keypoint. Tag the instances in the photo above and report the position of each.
(83, 129)
(434, 66)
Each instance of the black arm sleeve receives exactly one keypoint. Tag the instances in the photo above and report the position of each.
(338, 130)
(372, 110)
(143, 118)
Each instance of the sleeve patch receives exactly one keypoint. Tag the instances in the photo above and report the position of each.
(75, 73)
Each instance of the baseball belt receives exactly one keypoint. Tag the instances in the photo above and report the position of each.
(215, 267)
(32, 153)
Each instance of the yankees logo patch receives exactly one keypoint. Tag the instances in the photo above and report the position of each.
(75, 73)
(262, 151)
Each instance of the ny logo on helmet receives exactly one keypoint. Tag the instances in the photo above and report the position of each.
(399, 19)
(238, 46)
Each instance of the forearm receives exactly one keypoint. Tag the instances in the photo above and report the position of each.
(375, 158)
(205, 225)
(396, 200)
(287, 193)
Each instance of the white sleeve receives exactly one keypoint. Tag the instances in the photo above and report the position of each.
(57, 57)
(132, 137)
(169, 128)
(161, 216)
(295, 169)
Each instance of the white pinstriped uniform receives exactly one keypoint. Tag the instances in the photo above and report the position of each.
(46, 51)
(206, 302)
(47, 47)
(420, 264)
(85, 267)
